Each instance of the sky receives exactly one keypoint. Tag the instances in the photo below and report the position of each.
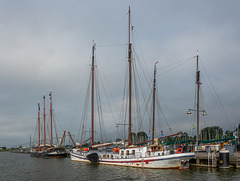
(46, 46)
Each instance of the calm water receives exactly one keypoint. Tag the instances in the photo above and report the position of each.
(14, 166)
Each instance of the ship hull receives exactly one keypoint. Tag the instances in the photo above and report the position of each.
(52, 153)
(158, 162)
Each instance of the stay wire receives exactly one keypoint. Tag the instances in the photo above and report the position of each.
(159, 108)
(114, 28)
(143, 95)
(78, 97)
(218, 99)
(99, 108)
(86, 106)
(105, 92)
(177, 65)
(139, 117)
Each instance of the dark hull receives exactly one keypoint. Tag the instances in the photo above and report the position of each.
(51, 153)
(93, 157)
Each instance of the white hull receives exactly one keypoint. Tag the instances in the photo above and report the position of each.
(149, 161)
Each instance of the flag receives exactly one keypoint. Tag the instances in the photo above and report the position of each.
(162, 135)
(194, 126)
(149, 135)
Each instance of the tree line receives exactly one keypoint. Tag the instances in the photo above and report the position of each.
(207, 133)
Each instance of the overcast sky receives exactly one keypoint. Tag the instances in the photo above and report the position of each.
(46, 46)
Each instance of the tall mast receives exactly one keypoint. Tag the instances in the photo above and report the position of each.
(154, 93)
(93, 48)
(130, 81)
(38, 126)
(198, 95)
(44, 122)
(51, 116)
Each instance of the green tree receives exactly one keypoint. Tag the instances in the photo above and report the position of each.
(211, 133)
(134, 137)
(184, 137)
(118, 139)
(228, 134)
(142, 136)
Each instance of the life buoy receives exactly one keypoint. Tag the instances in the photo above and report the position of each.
(179, 150)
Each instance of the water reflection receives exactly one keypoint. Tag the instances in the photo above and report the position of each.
(23, 167)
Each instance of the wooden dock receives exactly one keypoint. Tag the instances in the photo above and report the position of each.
(204, 159)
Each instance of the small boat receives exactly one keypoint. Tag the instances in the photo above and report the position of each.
(47, 150)
(154, 155)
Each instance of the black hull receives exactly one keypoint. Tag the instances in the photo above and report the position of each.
(93, 157)
(55, 155)
(51, 153)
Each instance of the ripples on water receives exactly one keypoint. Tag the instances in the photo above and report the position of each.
(20, 167)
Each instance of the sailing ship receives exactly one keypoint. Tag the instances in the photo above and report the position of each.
(151, 156)
(47, 150)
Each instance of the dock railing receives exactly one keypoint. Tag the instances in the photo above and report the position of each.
(211, 159)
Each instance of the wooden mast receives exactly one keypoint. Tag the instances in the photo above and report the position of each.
(38, 126)
(130, 81)
(154, 95)
(72, 139)
(93, 48)
(198, 95)
(44, 122)
(51, 117)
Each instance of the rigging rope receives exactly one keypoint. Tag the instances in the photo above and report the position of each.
(180, 63)
(111, 45)
(99, 108)
(78, 97)
(218, 99)
(158, 106)
(144, 99)
(107, 34)
(85, 109)
(123, 112)
(35, 133)
(105, 92)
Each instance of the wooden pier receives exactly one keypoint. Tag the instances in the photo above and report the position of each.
(204, 159)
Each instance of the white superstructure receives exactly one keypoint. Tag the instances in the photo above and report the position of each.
(143, 157)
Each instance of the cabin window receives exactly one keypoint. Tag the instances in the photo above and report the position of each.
(107, 156)
(111, 156)
(127, 152)
(122, 152)
(133, 152)
(152, 149)
(104, 156)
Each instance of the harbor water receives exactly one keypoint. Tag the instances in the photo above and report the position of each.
(16, 166)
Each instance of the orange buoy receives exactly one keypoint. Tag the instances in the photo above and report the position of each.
(179, 150)
(115, 150)
(85, 149)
